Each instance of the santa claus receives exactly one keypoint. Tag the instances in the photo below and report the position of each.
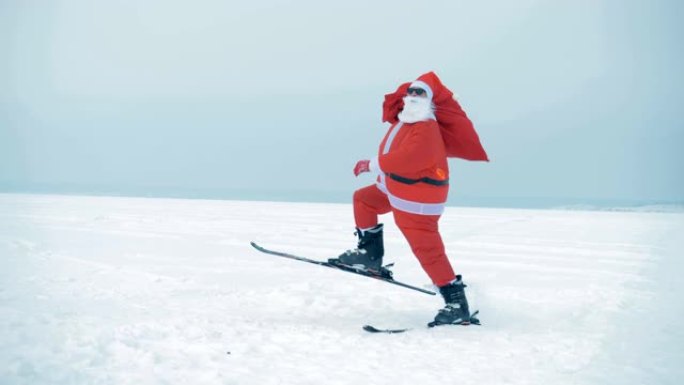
(427, 126)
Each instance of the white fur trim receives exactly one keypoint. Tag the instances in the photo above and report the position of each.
(374, 165)
(411, 206)
(423, 85)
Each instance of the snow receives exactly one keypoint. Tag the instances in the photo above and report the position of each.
(99, 290)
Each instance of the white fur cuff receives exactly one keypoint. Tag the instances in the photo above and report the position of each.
(374, 165)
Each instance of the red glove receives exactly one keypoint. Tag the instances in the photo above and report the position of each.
(361, 167)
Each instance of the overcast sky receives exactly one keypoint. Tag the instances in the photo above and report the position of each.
(574, 100)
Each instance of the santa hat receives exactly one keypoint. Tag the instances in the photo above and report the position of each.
(459, 135)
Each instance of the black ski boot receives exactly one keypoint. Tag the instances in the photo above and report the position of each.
(456, 310)
(368, 252)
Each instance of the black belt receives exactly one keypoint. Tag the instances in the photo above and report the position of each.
(434, 182)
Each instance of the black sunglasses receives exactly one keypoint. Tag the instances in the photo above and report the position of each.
(415, 90)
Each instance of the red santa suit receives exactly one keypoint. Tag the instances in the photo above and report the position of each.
(413, 180)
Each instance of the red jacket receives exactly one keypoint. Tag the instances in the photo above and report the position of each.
(416, 151)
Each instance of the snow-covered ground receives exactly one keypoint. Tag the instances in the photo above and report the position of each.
(98, 290)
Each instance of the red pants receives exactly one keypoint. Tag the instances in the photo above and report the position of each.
(421, 232)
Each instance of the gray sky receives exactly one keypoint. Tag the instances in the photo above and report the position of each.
(573, 100)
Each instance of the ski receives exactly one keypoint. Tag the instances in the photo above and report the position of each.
(372, 329)
(385, 275)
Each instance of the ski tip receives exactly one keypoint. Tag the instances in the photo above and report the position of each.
(371, 329)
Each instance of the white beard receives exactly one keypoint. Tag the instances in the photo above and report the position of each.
(416, 109)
